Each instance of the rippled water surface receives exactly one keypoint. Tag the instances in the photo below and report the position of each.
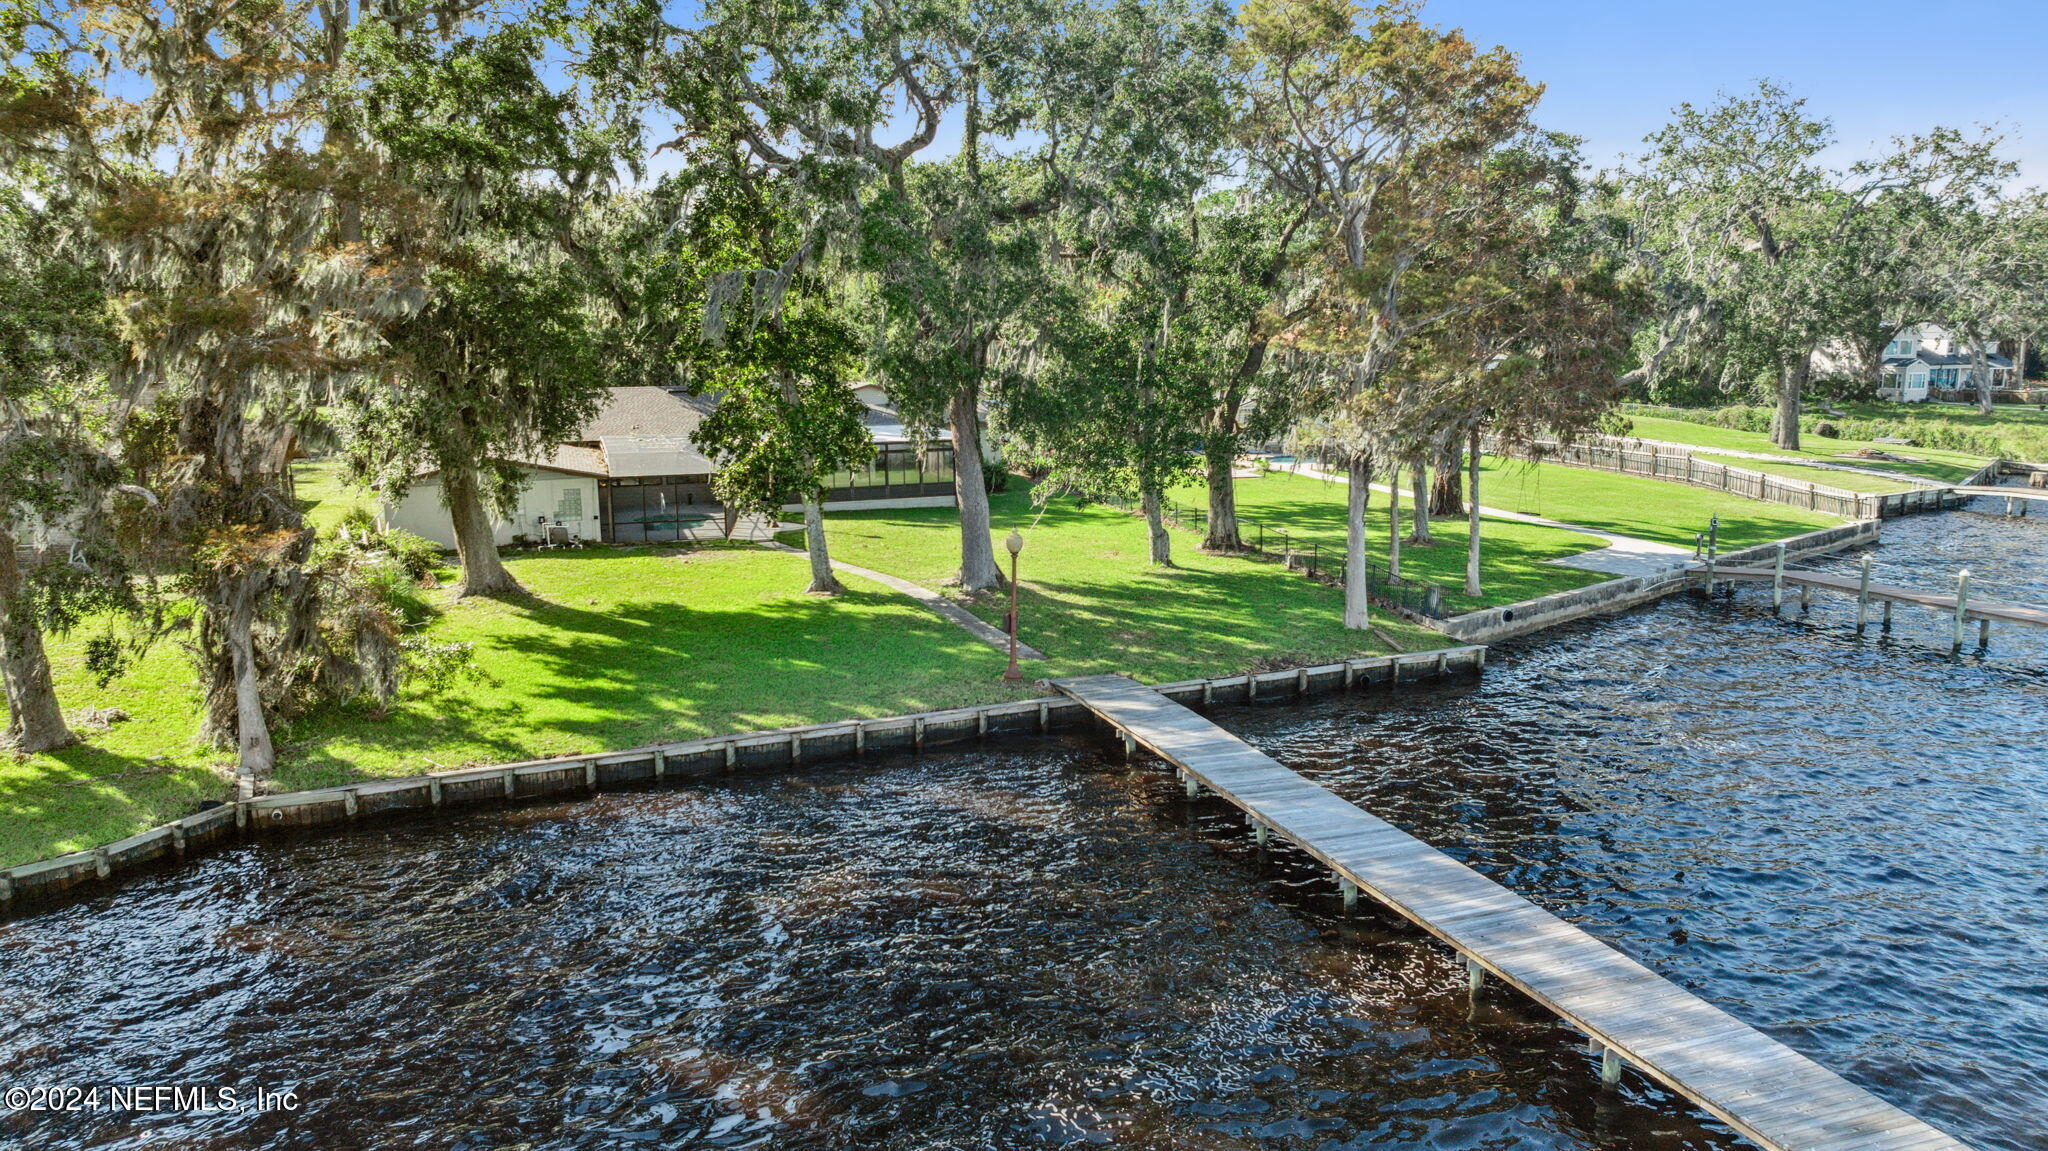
(1026, 944)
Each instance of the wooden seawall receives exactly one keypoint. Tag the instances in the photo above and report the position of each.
(1762, 1088)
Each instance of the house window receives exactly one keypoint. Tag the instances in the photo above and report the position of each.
(569, 504)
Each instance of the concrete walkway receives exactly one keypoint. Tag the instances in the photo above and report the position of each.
(966, 620)
(1623, 555)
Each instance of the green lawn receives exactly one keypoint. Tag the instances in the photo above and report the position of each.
(1806, 473)
(1635, 506)
(1092, 603)
(617, 648)
(1940, 464)
(324, 497)
(1512, 554)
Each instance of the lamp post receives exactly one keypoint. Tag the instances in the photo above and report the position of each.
(1015, 544)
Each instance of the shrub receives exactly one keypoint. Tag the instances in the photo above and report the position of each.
(419, 557)
(994, 476)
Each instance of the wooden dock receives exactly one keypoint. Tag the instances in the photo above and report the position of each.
(1973, 608)
(2009, 495)
(1766, 1091)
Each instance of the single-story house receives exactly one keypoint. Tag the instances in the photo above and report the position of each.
(632, 475)
(1926, 358)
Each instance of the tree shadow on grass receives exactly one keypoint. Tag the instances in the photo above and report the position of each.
(86, 795)
(641, 671)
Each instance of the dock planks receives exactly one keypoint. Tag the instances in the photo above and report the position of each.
(1765, 1090)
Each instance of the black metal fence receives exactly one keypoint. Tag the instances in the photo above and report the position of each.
(1415, 597)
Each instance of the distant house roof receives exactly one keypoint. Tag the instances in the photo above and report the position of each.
(1945, 360)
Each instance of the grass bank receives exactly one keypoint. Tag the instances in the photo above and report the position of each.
(1092, 602)
(614, 648)
(620, 647)
(1513, 556)
(1634, 506)
(1949, 443)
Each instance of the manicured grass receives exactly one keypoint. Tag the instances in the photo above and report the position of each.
(1092, 603)
(324, 497)
(1806, 473)
(1635, 506)
(614, 649)
(1512, 555)
(1932, 463)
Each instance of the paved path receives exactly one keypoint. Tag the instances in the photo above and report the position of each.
(1623, 555)
(968, 622)
(1757, 1085)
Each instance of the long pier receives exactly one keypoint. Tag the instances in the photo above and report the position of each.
(1961, 606)
(2015, 498)
(1768, 1092)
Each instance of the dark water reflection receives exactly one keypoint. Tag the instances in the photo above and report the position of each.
(1027, 945)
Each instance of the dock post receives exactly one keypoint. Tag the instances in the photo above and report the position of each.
(1261, 834)
(1805, 597)
(1962, 606)
(1984, 631)
(1863, 597)
(1130, 745)
(1710, 569)
(1888, 615)
(1475, 975)
(1610, 1065)
(1194, 787)
(1778, 581)
(660, 764)
(1350, 891)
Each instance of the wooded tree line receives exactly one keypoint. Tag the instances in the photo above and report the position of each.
(1120, 240)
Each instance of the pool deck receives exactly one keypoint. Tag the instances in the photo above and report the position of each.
(1768, 1092)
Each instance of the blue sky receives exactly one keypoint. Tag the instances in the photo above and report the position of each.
(1877, 68)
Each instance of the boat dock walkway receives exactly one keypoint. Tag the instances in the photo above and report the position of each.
(1865, 592)
(1765, 1090)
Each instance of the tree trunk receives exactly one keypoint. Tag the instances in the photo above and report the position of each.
(1447, 496)
(1356, 575)
(978, 571)
(1472, 522)
(1220, 453)
(256, 758)
(1155, 526)
(483, 571)
(1980, 372)
(1785, 424)
(35, 722)
(1394, 526)
(1421, 514)
(823, 582)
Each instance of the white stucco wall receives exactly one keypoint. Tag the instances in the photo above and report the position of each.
(546, 493)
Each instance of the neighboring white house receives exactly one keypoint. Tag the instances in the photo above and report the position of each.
(632, 475)
(1923, 358)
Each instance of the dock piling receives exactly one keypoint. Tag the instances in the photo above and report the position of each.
(1350, 891)
(1475, 975)
(1777, 580)
(1962, 607)
(1863, 596)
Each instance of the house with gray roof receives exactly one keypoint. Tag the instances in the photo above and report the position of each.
(634, 474)
(1925, 359)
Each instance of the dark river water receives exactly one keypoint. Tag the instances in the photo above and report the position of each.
(1028, 944)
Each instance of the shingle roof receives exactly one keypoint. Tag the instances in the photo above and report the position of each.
(646, 411)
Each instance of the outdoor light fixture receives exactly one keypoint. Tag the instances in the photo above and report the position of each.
(1015, 544)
